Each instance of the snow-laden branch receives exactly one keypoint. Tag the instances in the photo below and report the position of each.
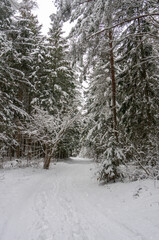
(123, 22)
(45, 127)
(49, 129)
(14, 4)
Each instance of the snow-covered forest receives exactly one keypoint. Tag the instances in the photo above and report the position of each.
(114, 48)
(87, 107)
(39, 89)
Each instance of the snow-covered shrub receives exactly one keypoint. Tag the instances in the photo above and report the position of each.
(21, 163)
(112, 158)
(106, 171)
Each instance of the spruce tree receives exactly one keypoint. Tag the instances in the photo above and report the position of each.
(96, 54)
(138, 82)
(27, 45)
(8, 101)
(56, 86)
(130, 39)
(64, 84)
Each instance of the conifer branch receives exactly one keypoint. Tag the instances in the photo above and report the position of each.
(123, 22)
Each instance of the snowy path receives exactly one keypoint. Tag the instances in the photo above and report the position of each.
(66, 203)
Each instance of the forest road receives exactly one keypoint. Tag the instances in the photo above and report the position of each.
(63, 203)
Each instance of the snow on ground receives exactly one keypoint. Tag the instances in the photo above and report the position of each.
(67, 203)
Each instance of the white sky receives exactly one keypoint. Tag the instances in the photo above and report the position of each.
(46, 8)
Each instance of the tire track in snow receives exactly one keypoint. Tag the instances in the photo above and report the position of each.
(81, 224)
(16, 222)
(76, 231)
(22, 223)
(42, 225)
(43, 208)
(89, 215)
(63, 204)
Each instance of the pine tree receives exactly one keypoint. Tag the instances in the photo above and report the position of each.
(98, 106)
(133, 67)
(19, 67)
(8, 101)
(98, 54)
(64, 84)
(27, 45)
(138, 81)
(56, 86)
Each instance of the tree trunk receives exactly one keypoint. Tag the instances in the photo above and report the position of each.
(47, 162)
(18, 154)
(143, 77)
(47, 159)
(18, 134)
(113, 85)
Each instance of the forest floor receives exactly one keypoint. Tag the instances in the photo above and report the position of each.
(67, 203)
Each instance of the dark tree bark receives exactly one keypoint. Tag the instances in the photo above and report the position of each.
(47, 162)
(113, 86)
(48, 155)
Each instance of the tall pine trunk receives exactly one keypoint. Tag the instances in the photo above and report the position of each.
(113, 85)
(112, 68)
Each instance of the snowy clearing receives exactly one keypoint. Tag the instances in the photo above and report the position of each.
(67, 203)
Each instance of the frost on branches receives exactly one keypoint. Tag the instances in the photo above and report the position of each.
(49, 130)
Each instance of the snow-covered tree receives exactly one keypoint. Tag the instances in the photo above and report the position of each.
(138, 78)
(95, 54)
(9, 105)
(19, 40)
(27, 44)
(56, 86)
(100, 23)
(49, 130)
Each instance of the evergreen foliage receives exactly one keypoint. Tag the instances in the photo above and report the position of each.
(35, 74)
(138, 82)
(56, 87)
(8, 100)
(133, 44)
(27, 44)
(114, 46)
